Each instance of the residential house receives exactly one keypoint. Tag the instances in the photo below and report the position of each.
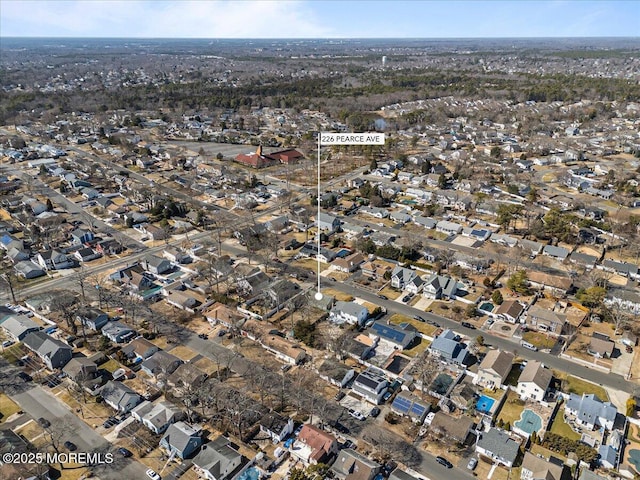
(374, 270)
(351, 465)
(458, 429)
(556, 284)
(586, 474)
(600, 346)
(531, 246)
(545, 320)
(174, 254)
(282, 349)
(401, 277)
(18, 327)
(314, 446)
(181, 440)
(280, 292)
(53, 353)
(348, 264)
(276, 426)
(450, 228)
(336, 373)
(328, 222)
(371, 384)
(182, 300)
(219, 313)
(80, 236)
(497, 445)
(81, 370)
(534, 381)
(494, 368)
(118, 332)
(628, 300)
(400, 217)
(252, 284)
(375, 212)
(381, 239)
(119, 396)
(440, 286)
(28, 270)
(535, 467)
(186, 377)
(396, 336)
(348, 312)
(86, 254)
(140, 348)
(92, 318)
(559, 253)
(590, 411)
(53, 260)
(426, 222)
(624, 269)
(584, 260)
(510, 311)
(157, 417)
(161, 363)
(156, 265)
(449, 348)
(407, 404)
(218, 460)
(358, 348)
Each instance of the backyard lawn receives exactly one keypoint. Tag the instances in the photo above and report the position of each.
(422, 327)
(560, 427)
(511, 408)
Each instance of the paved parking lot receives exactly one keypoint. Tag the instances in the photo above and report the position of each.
(356, 404)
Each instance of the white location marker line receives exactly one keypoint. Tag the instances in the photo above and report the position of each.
(329, 138)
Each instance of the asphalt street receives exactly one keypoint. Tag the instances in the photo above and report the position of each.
(38, 402)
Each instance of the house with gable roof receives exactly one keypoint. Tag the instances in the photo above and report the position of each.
(494, 368)
(181, 440)
(590, 411)
(314, 446)
(534, 381)
(218, 460)
(449, 348)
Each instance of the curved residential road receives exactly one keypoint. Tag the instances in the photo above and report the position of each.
(610, 380)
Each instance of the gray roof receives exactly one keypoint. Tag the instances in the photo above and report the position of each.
(44, 344)
(116, 328)
(117, 393)
(590, 408)
(558, 252)
(500, 444)
(18, 325)
(159, 414)
(179, 434)
(450, 348)
(609, 454)
(349, 461)
(536, 372)
(398, 474)
(216, 456)
(349, 308)
(161, 362)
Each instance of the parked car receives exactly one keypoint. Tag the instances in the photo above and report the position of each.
(7, 343)
(419, 318)
(124, 452)
(44, 423)
(222, 333)
(375, 411)
(468, 325)
(339, 396)
(70, 446)
(349, 444)
(110, 422)
(25, 376)
(383, 297)
(444, 462)
(472, 463)
(203, 336)
(153, 475)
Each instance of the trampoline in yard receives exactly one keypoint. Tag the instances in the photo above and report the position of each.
(529, 422)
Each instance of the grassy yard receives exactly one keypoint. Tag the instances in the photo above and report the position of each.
(560, 427)
(539, 339)
(7, 407)
(416, 350)
(13, 353)
(514, 374)
(511, 408)
(579, 386)
(111, 366)
(339, 296)
(422, 327)
(545, 452)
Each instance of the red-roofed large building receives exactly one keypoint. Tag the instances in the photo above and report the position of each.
(261, 160)
(314, 446)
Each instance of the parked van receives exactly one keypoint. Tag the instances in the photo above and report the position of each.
(528, 345)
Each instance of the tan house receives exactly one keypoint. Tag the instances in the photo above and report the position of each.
(494, 368)
(535, 467)
(545, 320)
(348, 264)
(510, 311)
(534, 381)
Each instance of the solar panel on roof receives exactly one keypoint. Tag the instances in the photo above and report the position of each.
(418, 409)
(401, 404)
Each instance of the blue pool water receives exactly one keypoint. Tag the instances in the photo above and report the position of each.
(529, 422)
(634, 458)
(486, 306)
(251, 473)
(343, 253)
(484, 404)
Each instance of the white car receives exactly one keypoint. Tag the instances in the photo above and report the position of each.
(153, 475)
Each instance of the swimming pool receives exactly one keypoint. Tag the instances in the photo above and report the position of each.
(250, 473)
(485, 404)
(486, 307)
(634, 458)
(529, 422)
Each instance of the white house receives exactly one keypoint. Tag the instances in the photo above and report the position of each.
(348, 312)
(534, 381)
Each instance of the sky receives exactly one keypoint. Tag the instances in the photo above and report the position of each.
(319, 18)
